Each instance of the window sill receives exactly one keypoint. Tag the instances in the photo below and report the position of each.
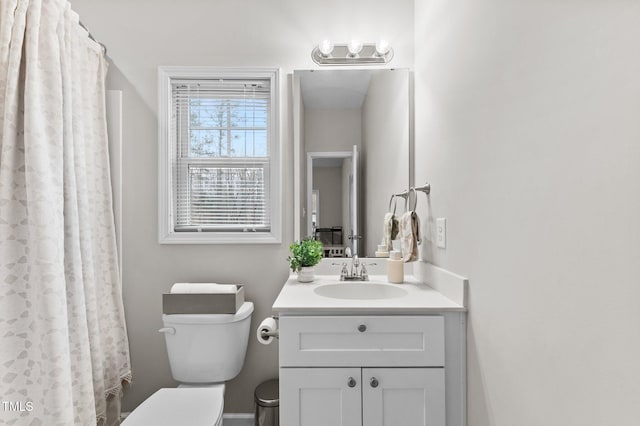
(219, 238)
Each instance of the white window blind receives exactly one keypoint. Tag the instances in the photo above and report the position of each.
(221, 168)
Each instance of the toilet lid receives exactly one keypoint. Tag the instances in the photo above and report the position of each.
(179, 406)
(245, 310)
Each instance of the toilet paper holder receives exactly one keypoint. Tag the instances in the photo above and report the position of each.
(267, 334)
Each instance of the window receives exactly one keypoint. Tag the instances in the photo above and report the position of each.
(219, 155)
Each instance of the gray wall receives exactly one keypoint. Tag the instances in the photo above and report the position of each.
(328, 181)
(528, 128)
(332, 129)
(140, 36)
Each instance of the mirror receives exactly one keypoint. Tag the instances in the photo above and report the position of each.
(351, 152)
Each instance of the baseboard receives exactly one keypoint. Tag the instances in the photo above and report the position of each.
(238, 419)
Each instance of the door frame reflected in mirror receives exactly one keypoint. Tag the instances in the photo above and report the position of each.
(314, 211)
(335, 155)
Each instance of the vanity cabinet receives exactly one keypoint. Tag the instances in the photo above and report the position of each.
(362, 370)
(403, 396)
(362, 396)
(320, 396)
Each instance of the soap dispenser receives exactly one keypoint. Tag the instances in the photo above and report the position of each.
(395, 267)
(382, 251)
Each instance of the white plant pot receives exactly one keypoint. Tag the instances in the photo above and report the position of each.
(306, 274)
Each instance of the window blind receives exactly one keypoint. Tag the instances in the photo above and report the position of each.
(221, 161)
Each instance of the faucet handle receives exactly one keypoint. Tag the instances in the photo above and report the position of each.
(344, 272)
(363, 272)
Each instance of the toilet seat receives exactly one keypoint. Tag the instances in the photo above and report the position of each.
(193, 406)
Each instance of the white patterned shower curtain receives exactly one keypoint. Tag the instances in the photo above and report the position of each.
(63, 341)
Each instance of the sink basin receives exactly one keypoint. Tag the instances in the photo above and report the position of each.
(363, 290)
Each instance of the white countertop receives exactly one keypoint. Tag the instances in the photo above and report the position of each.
(297, 298)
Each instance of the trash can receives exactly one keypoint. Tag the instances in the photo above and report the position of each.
(267, 397)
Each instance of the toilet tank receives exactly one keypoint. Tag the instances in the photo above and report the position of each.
(207, 348)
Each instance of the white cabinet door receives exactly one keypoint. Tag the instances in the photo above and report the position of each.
(320, 397)
(403, 396)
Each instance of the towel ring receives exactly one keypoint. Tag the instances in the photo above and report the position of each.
(395, 205)
(415, 201)
(404, 194)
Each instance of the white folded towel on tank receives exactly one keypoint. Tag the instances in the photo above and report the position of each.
(201, 288)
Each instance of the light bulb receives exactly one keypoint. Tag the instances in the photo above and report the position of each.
(382, 47)
(325, 47)
(354, 46)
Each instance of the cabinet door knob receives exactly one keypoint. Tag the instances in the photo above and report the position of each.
(373, 382)
(352, 382)
(362, 328)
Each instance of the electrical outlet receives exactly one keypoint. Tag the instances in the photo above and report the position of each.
(441, 232)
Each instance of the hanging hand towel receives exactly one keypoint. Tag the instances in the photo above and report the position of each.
(410, 235)
(390, 230)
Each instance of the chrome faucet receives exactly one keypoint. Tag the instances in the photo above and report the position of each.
(355, 264)
(358, 271)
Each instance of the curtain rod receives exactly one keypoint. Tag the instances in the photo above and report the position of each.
(92, 38)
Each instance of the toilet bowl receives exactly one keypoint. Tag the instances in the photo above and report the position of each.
(205, 350)
(201, 406)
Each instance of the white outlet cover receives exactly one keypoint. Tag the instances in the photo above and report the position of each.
(441, 232)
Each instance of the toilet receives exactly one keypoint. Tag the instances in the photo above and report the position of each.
(205, 350)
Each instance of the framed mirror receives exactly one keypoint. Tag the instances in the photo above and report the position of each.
(352, 145)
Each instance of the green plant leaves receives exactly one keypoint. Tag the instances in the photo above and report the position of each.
(307, 252)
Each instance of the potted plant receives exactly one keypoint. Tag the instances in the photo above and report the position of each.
(305, 255)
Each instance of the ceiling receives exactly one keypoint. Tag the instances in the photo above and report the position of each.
(334, 89)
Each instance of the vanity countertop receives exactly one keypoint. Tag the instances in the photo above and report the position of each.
(297, 298)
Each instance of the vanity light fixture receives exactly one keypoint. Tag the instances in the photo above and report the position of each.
(352, 53)
(382, 48)
(354, 47)
(325, 47)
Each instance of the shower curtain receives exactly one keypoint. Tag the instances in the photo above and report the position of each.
(63, 344)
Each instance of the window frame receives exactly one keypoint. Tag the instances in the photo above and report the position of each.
(167, 153)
